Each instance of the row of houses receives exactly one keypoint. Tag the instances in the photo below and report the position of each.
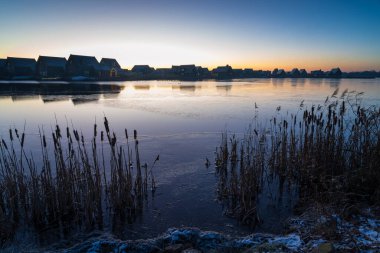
(79, 67)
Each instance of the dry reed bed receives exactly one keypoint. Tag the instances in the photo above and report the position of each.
(76, 186)
(330, 153)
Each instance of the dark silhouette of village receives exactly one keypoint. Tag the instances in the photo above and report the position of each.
(87, 68)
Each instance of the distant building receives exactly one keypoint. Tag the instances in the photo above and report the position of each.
(223, 72)
(295, 73)
(164, 73)
(262, 74)
(110, 69)
(3, 68)
(51, 67)
(203, 72)
(362, 74)
(335, 73)
(317, 73)
(279, 73)
(21, 68)
(82, 67)
(142, 69)
(303, 73)
(248, 73)
(186, 71)
(237, 73)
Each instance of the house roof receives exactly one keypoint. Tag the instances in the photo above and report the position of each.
(83, 59)
(22, 62)
(295, 71)
(53, 61)
(110, 62)
(223, 69)
(335, 70)
(141, 68)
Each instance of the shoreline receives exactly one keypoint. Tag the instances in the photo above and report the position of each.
(44, 81)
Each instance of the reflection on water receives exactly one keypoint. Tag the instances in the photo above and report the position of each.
(182, 122)
(141, 87)
(60, 91)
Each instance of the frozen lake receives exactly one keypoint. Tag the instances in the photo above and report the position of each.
(180, 121)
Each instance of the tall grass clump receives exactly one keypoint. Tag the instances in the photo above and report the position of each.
(78, 185)
(330, 153)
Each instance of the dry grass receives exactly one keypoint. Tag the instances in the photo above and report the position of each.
(76, 186)
(329, 152)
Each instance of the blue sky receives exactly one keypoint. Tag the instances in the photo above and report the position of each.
(257, 34)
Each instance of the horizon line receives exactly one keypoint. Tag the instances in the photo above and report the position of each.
(210, 68)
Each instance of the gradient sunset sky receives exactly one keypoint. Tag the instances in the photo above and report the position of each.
(243, 33)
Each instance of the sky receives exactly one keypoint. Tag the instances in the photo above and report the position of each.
(258, 34)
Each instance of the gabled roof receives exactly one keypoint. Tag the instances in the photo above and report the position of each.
(22, 62)
(83, 59)
(141, 68)
(53, 61)
(294, 71)
(335, 71)
(221, 69)
(110, 62)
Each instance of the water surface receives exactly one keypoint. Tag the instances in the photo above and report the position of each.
(180, 121)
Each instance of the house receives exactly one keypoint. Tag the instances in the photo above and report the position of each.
(317, 73)
(248, 73)
(278, 73)
(3, 65)
(237, 73)
(265, 73)
(303, 73)
(21, 68)
(80, 67)
(295, 73)
(110, 69)
(335, 73)
(186, 71)
(204, 72)
(142, 69)
(51, 67)
(164, 73)
(223, 72)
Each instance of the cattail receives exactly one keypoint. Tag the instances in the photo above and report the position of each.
(95, 131)
(58, 132)
(106, 125)
(22, 139)
(126, 133)
(44, 141)
(16, 133)
(135, 134)
(101, 136)
(10, 135)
